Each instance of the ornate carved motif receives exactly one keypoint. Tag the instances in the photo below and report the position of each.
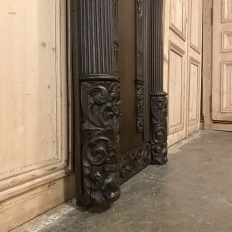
(101, 108)
(100, 101)
(140, 107)
(139, 7)
(135, 161)
(159, 128)
(140, 35)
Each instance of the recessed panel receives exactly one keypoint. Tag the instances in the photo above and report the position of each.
(194, 93)
(176, 89)
(226, 10)
(227, 41)
(195, 24)
(27, 83)
(226, 87)
(177, 18)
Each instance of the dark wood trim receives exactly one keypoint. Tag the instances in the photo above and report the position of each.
(100, 101)
(158, 97)
(75, 19)
(156, 46)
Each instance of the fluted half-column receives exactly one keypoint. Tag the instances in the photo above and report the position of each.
(158, 97)
(100, 101)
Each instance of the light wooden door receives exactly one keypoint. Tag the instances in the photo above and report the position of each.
(182, 66)
(222, 61)
(193, 95)
(35, 164)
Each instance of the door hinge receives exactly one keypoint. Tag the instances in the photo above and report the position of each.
(211, 15)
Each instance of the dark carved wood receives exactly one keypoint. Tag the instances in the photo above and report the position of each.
(101, 108)
(134, 162)
(97, 82)
(100, 101)
(140, 39)
(159, 128)
(156, 46)
(158, 97)
(140, 106)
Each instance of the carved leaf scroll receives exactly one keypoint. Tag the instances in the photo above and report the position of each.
(101, 108)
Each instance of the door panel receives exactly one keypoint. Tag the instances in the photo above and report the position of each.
(194, 65)
(182, 66)
(176, 88)
(194, 95)
(34, 160)
(222, 61)
(177, 17)
(177, 68)
(27, 71)
(195, 12)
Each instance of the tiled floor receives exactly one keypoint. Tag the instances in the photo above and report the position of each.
(193, 192)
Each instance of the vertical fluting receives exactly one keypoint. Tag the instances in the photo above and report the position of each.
(157, 46)
(97, 38)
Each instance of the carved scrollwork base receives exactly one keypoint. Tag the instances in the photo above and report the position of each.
(134, 162)
(140, 107)
(159, 106)
(101, 111)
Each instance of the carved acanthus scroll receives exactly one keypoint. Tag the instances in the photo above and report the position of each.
(159, 128)
(101, 107)
(158, 97)
(135, 161)
(100, 101)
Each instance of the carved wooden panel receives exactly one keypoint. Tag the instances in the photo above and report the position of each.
(195, 24)
(134, 161)
(178, 17)
(227, 41)
(226, 87)
(176, 88)
(140, 45)
(194, 92)
(100, 102)
(226, 10)
(101, 109)
(158, 99)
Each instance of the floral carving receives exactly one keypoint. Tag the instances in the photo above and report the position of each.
(159, 128)
(135, 161)
(140, 107)
(101, 111)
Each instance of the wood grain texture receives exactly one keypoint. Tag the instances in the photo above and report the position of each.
(207, 63)
(18, 210)
(36, 161)
(182, 62)
(222, 61)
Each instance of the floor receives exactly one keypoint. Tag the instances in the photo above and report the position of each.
(193, 192)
